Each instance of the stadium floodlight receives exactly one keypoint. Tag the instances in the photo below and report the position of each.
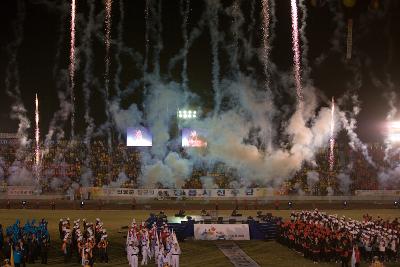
(395, 125)
(394, 132)
(394, 137)
(187, 114)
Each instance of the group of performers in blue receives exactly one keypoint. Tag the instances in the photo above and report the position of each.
(22, 244)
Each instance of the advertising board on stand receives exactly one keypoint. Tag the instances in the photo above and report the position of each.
(221, 193)
(20, 190)
(221, 232)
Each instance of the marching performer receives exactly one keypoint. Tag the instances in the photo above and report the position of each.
(165, 259)
(145, 248)
(133, 255)
(175, 253)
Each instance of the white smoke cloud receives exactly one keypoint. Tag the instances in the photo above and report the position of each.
(312, 178)
(86, 177)
(208, 182)
(344, 182)
(226, 134)
(20, 175)
(349, 123)
(161, 106)
(238, 132)
(124, 118)
(59, 183)
(2, 169)
(122, 178)
(389, 177)
(330, 191)
(172, 172)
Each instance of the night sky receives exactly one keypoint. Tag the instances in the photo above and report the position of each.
(45, 32)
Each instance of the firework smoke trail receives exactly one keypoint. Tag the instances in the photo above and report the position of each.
(235, 13)
(120, 44)
(88, 74)
(265, 37)
(72, 67)
(296, 51)
(303, 38)
(349, 123)
(159, 44)
(192, 36)
(185, 13)
(392, 99)
(248, 50)
(107, 22)
(61, 78)
(12, 80)
(349, 39)
(107, 37)
(265, 14)
(332, 138)
(147, 42)
(108, 6)
(213, 8)
(37, 139)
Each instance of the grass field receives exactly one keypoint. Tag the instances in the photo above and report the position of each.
(194, 253)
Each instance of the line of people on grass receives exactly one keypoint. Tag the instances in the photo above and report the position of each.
(23, 244)
(88, 241)
(323, 237)
(152, 242)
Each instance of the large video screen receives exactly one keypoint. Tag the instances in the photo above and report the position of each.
(139, 136)
(193, 137)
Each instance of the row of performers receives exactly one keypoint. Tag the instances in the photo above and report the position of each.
(88, 241)
(150, 243)
(24, 244)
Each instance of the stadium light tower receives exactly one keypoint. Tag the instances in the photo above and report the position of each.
(394, 132)
(186, 114)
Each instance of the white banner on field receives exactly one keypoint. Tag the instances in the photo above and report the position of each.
(221, 232)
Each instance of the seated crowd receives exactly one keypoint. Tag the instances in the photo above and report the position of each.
(323, 237)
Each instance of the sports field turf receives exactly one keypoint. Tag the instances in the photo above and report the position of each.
(194, 253)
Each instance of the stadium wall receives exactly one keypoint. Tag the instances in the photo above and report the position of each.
(259, 194)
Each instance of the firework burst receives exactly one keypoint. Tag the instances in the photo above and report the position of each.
(72, 66)
(296, 50)
(37, 138)
(332, 138)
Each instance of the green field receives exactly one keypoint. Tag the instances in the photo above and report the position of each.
(194, 253)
